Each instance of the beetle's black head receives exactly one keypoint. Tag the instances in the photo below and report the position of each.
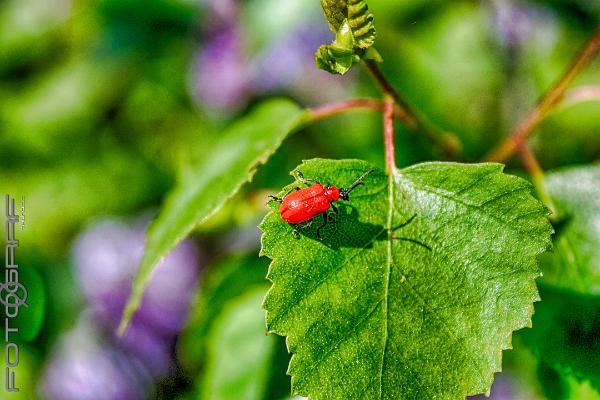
(344, 194)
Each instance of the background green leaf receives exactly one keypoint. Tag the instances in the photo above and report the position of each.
(239, 359)
(575, 262)
(566, 327)
(25, 373)
(567, 322)
(30, 319)
(233, 161)
(380, 309)
(227, 279)
(225, 283)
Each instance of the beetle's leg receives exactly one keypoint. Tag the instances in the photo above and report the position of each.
(280, 199)
(331, 216)
(306, 224)
(303, 225)
(412, 241)
(294, 189)
(301, 178)
(325, 219)
(402, 225)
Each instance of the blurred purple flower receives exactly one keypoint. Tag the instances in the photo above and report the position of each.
(106, 257)
(224, 78)
(221, 78)
(289, 64)
(84, 368)
(501, 390)
(222, 10)
(516, 22)
(288, 58)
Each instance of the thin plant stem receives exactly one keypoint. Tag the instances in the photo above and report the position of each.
(388, 131)
(537, 176)
(387, 87)
(527, 126)
(447, 143)
(332, 109)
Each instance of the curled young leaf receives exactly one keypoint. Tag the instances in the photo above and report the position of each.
(335, 60)
(336, 12)
(353, 26)
(361, 24)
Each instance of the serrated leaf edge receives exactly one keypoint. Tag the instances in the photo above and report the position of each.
(529, 310)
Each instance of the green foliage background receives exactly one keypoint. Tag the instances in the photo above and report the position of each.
(97, 118)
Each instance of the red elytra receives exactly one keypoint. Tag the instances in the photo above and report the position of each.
(301, 205)
(304, 204)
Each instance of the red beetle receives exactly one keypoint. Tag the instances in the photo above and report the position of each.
(302, 205)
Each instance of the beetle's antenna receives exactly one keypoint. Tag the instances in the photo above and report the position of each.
(344, 192)
(358, 181)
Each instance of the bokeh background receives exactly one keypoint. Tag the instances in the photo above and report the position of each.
(104, 104)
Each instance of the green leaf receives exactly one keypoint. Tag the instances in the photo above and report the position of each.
(225, 280)
(352, 24)
(336, 11)
(575, 263)
(223, 284)
(243, 147)
(26, 372)
(415, 290)
(30, 318)
(240, 354)
(361, 23)
(566, 327)
(69, 182)
(335, 60)
(354, 13)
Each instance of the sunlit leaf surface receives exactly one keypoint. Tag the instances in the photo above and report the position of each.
(414, 290)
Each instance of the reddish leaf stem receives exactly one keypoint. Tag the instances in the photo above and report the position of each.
(526, 127)
(332, 109)
(388, 130)
(530, 161)
(447, 143)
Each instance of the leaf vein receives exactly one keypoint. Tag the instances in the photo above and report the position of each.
(474, 182)
(388, 271)
(342, 339)
(310, 290)
(479, 208)
(441, 323)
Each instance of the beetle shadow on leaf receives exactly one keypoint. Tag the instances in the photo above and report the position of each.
(344, 230)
